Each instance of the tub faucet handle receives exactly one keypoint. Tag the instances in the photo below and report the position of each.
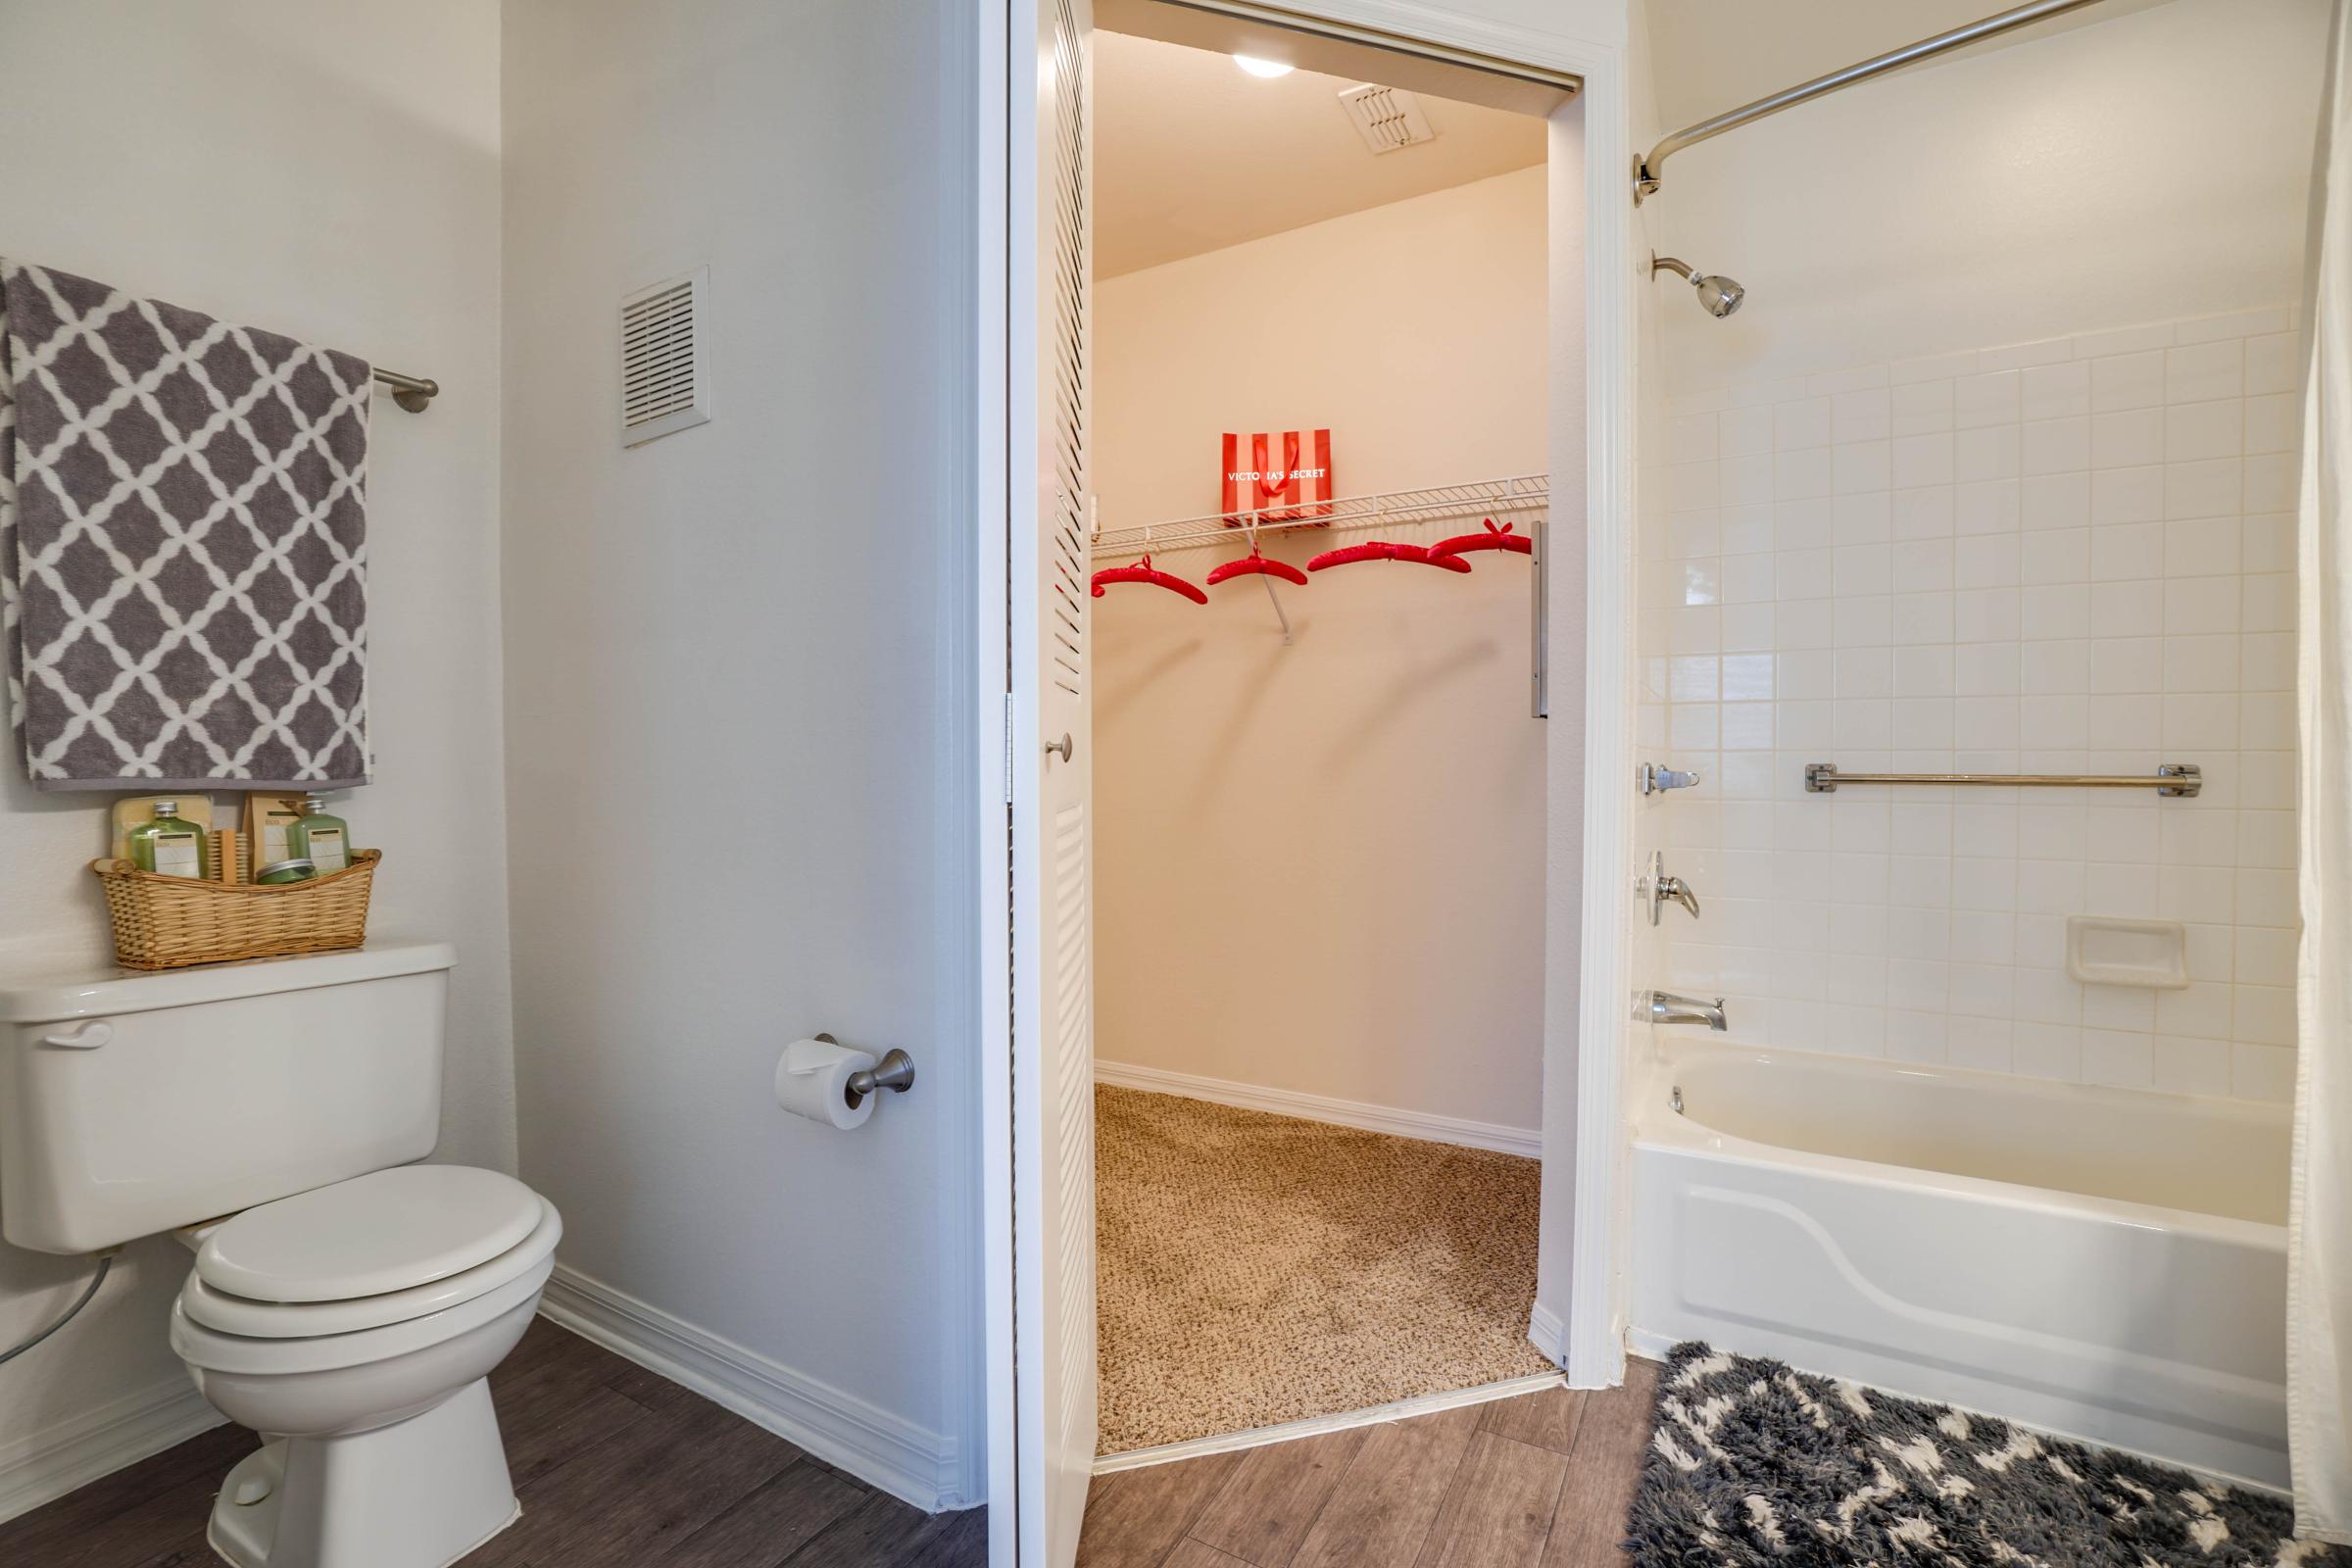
(1661, 889)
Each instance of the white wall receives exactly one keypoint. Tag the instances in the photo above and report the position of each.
(2136, 170)
(332, 173)
(1653, 445)
(1893, 534)
(738, 738)
(1320, 865)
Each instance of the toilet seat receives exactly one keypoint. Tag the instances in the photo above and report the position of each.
(371, 1235)
(210, 1351)
(227, 1312)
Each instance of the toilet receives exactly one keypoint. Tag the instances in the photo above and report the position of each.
(345, 1303)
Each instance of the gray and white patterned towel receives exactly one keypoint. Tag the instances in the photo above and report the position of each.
(183, 544)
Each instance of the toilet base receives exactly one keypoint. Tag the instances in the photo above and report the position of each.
(417, 1493)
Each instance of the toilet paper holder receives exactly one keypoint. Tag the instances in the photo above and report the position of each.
(895, 1071)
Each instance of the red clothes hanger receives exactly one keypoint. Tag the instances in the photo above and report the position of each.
(1494, 538)
(1259, 563)
(1379, 550)
(1143, 571)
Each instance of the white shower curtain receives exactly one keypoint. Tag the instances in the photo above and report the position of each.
(2320, 1235)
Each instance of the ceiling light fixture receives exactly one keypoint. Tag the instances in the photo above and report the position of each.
(1269, 69)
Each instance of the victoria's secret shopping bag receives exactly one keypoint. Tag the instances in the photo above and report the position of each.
(1283, 475)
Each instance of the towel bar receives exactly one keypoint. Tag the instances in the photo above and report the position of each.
(2182, 779)
(411, 392)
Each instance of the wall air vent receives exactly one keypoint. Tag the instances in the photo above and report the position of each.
(1387, 117)
(665, 383)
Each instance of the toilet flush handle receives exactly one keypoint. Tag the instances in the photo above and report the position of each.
(88, 1036)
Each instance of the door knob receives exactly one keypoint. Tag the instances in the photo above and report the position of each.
(1063, 746)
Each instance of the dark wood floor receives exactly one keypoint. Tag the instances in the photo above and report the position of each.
(1542, 1481)
(618, 1466)
(613, 1465)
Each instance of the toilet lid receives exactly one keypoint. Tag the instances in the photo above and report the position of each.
(385, 1231)
(518, 1267)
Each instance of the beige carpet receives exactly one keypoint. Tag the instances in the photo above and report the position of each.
(1258, 1269)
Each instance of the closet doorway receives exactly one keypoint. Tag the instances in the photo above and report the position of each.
(1356, 802)
(1316, 438)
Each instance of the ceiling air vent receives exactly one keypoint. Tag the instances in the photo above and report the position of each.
(663, 386)
(1387, 117)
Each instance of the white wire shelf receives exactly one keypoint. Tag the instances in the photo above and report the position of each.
(1519, 499)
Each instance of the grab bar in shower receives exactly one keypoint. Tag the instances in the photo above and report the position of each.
(2181, 779)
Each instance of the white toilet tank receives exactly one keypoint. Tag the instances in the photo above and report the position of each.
(133, 1103)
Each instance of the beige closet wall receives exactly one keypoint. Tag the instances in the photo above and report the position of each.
(1320, 866)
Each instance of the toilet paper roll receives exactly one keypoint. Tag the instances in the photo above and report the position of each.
(813, 1080)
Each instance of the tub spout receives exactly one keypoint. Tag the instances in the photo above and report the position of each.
(1667, 1007)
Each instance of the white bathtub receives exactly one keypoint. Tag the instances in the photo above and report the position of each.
(2100, 1262)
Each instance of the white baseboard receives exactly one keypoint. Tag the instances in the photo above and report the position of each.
(1548, 1334)
(884, 1450)
(1523, 1141)
(46, 1465)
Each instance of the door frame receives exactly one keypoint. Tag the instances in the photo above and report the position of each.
(1578, 1317)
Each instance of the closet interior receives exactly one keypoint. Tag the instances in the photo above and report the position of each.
(1318, 441)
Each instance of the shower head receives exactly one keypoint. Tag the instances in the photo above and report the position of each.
(1718, 296)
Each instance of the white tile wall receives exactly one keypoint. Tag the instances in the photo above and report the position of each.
(2064, 557)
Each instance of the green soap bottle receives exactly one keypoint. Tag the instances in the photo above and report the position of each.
(322, 839)
(169, 845)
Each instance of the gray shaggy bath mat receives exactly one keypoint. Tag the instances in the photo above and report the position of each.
(1753, 1464)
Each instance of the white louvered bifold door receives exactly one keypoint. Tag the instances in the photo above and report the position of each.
(1052, 830)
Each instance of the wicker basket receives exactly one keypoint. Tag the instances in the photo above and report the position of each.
(165, 922)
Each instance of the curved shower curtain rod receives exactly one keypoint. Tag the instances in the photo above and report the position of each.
(1645, 170)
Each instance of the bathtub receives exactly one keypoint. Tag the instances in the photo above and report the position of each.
(2105, 1263)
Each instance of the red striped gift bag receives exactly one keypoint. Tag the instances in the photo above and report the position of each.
(1283, 475)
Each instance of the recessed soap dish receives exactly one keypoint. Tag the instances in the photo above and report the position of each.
(2150, 953)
